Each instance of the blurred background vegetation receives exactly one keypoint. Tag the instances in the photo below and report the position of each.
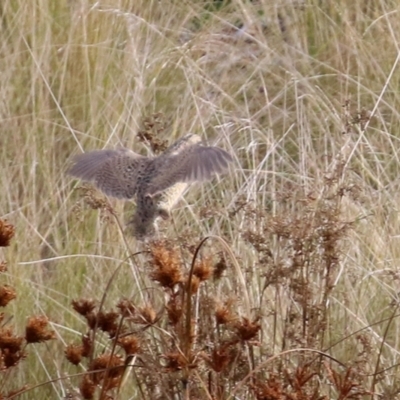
(303, 94)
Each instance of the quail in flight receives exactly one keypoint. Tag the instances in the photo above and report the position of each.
(156, 182)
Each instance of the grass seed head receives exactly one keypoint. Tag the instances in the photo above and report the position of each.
(87, 345)
(174, 310)
(130, 344)
(166, 265)
(219, 268)
(246, 329)
(37, 330)
(126, 308)
(108, 322)
(175, 361)
(146, 315)
(10, 348)
(83, 306)
(221, 358)
(203, 269)
(7, 232)
(7, 293)
(73, 353)
(223, 313)
(194, 284)
(86, 307)
(87, 387)
(107, 365)
(9, 341)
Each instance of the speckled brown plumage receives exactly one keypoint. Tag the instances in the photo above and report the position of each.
(156, 182)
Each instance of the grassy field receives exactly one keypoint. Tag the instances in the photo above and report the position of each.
(279, 280)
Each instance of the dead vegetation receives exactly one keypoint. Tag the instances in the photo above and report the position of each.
(196, 338)
(279, 282)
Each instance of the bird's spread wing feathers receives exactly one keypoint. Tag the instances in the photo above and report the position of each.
(114, 172)
(195, 163)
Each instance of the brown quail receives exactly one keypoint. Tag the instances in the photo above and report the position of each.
(157, 182)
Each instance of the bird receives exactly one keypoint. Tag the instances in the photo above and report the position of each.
(156, 183)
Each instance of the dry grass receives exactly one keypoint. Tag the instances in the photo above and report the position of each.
(279, 280)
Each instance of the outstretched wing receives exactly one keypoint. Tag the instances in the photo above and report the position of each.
(194, 163)
(114, 172)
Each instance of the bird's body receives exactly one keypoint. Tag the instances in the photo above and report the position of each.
(157, 182)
